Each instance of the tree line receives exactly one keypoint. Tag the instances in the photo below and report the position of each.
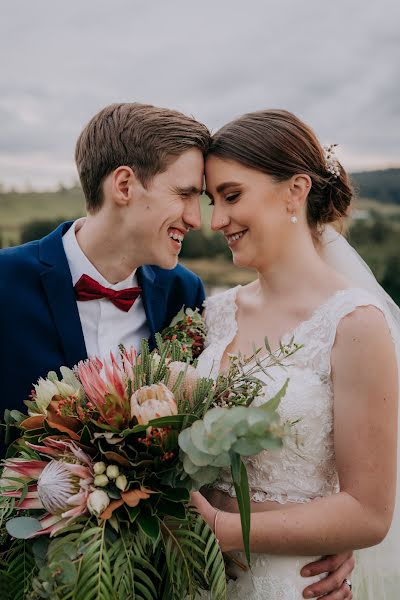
(375, 238)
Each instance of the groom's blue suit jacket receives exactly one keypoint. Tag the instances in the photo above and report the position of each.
(40, 327)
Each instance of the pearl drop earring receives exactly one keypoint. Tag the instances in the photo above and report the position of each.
(293, 219)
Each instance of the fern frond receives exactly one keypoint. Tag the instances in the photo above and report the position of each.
(19, 569)
(95, 581)
(194, 560)
(133, 573)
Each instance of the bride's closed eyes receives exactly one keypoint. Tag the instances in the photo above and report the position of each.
(230, 198)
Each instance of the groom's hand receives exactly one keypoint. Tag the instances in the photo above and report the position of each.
(332, 587)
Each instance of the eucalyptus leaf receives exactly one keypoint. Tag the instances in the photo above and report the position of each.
(206, 475)
(198, 458)
(222, 460)
(247, 447)
(23, 527)
(272, 405)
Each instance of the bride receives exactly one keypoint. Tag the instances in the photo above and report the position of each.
(275, 191)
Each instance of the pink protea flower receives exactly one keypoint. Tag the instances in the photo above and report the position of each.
(151, 402)
(128, 359)
(61, 487)
(105, 386)
(189, 381)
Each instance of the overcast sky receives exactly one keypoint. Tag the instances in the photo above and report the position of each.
(335, 64)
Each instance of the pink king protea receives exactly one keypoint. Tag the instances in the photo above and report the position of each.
(62, 486)
(105, 386)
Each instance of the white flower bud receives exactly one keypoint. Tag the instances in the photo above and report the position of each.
(99, 468)
(121, 482)
(97, 502)
(44, 392)
(101, 480)
(112, 471)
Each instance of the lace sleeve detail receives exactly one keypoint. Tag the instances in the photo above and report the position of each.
(220, 315)
(221, 329)
(319, 333)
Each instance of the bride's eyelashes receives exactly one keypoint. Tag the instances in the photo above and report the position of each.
(230, 198)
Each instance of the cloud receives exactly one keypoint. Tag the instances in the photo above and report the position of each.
(333, 64)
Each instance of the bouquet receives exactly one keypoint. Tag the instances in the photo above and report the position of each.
(101, 475)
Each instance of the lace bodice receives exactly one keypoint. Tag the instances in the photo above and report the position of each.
(304, 468)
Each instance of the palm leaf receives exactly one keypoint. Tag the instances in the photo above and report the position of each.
(193, 560)
(133, 573)
(19, 568)
(95, 580)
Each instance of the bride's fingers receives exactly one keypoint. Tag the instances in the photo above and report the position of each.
(344, 593)
(328, 564)
(332, 587)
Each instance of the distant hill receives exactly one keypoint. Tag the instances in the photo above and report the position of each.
(383, 186)
(19, 208)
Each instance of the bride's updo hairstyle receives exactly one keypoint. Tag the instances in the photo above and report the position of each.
(279, 144)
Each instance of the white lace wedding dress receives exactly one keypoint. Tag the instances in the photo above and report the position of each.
(305, 467)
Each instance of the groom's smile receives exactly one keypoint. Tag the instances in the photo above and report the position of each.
(167, 208)
(177, 237)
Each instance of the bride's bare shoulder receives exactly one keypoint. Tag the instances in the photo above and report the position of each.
(363, 337)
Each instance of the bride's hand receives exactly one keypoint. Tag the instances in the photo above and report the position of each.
(204, 508)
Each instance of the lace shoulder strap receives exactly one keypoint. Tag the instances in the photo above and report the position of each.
(318, 334)
(221, 316)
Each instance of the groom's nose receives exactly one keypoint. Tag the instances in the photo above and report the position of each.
(192, 215)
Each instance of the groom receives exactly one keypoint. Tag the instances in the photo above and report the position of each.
(88, 286)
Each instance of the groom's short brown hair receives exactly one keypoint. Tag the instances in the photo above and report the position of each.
(146, 138)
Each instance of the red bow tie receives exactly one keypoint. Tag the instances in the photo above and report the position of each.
(89, 289)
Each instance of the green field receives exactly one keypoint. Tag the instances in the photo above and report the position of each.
(374, 231)
(17, 209)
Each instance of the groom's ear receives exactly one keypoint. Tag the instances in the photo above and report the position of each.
(123, 180)
(299, 188)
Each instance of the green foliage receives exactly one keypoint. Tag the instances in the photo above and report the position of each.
(35, 230)
(198, 243)
(241, 483)
(17, 568)
(193, 559)
(377, 241)
(96, 564)
(391, 277)
(19, 208)
(207, 444)
(6, 510)
(23, 527)
(381, 185)
(134, 575)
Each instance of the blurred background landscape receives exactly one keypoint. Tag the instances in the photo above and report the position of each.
(335, 65)
(373, 228)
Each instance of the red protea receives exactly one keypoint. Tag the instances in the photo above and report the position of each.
(105, 387)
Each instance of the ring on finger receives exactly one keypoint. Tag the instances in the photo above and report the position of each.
(348, 582)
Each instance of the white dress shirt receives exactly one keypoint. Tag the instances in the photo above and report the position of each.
(104, 325)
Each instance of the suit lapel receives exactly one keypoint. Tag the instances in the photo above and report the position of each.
(153, 299)
(57, 284)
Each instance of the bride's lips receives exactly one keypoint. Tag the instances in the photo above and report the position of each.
(234, 238)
